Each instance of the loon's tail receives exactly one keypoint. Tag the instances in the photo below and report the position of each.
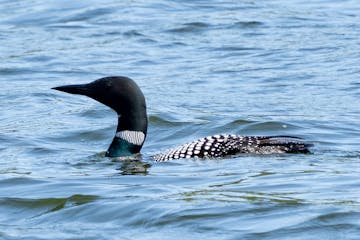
(288, 144)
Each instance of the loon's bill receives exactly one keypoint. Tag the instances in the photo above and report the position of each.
(124, 96)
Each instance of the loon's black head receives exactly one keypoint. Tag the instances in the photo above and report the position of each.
(125, 97)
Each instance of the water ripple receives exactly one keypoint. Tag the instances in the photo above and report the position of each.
(193, 27)
(19, 205)
(205, 67)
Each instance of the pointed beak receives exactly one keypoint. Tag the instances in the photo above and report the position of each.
(82, 89)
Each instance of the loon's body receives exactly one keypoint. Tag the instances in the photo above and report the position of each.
(230, 144)
(124, 96)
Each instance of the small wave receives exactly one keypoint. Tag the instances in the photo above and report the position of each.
(20, 181)
(235, 48)
(49, 204)
(233, 126)
(192, 27)
(66, 26)
(15, 71)
(158, 121)
(247, 24)
(133, 33)
(87, 15)
(355, 155)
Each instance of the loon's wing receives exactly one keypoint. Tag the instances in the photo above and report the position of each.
(226, 144)
(284, 144)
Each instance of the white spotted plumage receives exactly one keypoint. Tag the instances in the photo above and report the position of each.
(230, 144)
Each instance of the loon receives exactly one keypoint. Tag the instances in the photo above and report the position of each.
(124, 96)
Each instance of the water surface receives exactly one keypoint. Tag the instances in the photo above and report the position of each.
(205, 67)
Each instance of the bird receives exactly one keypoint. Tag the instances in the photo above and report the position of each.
(125, 97)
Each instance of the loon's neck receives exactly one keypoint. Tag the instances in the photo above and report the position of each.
(130, 134)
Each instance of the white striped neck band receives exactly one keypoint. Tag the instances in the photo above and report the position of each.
(134, 137)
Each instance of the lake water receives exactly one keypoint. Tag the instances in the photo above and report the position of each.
(205, 67)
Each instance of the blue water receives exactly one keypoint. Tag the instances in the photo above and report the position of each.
(205, 67)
